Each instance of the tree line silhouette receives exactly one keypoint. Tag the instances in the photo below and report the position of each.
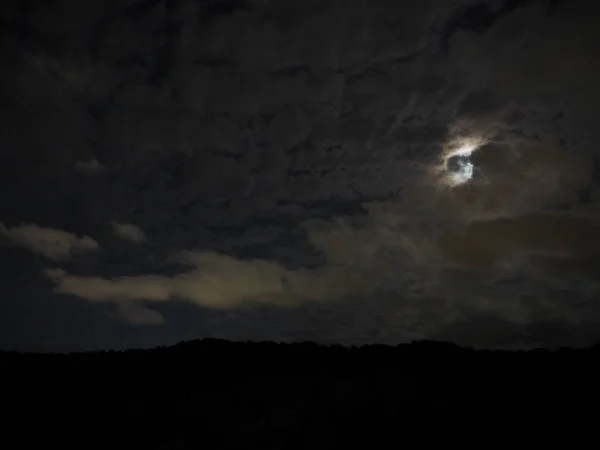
(225, 394)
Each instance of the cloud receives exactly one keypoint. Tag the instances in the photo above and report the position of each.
(90, 166)
(129, 232)
(529, 51)
(139, 314)
(483, 243)
(217, 281)
(49, 242)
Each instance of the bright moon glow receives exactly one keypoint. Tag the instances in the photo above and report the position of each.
(457, 167)
(463, 173)
(464, 151)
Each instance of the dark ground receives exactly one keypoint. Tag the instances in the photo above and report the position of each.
(220, 394)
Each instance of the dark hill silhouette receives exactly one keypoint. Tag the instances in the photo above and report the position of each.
(223, 394)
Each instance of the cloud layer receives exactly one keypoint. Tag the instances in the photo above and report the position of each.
(285, 165)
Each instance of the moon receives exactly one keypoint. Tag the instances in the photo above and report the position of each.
(456, 167)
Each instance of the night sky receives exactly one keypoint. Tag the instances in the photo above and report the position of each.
(348, 171)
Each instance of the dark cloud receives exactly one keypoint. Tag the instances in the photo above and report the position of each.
(488, 332)
(483, 243)
(290, 169)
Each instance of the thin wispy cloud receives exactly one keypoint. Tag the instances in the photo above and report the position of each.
(49, 242)
(129, 232)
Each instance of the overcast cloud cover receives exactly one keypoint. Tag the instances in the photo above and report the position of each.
(276, 170)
